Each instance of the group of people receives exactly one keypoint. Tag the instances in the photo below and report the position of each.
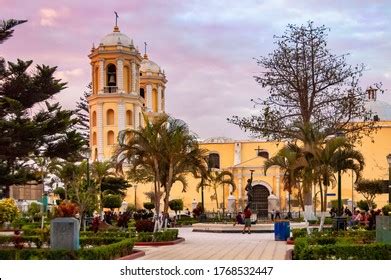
(358, 217)
(366, 218)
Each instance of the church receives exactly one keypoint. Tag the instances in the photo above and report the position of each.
(126, 84)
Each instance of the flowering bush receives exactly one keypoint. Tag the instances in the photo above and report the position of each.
(67, 209)
(8, 210)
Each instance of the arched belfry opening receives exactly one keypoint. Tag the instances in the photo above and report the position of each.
(111, 78)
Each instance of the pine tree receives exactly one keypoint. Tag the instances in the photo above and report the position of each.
(31, 126)
(83, 114)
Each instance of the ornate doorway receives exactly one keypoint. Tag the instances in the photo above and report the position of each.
(260, 202)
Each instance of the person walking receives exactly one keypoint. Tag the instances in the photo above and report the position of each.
(247, 220)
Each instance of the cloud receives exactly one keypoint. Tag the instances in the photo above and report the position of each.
(69, 74)
(48, 16)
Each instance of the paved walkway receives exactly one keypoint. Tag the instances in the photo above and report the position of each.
(220, 246)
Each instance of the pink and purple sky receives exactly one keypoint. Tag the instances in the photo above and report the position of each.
(205, 47)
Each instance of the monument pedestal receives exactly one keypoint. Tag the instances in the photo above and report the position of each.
(64, 234)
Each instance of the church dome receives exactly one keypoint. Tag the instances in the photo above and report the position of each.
(115, 38)
(149, 66)
(380, 108)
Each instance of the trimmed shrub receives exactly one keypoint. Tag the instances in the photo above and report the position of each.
(149, 205)
(105, 252)
(176, 205)
(112, 201)
(8, 210)
(167, 235)
(375, 251)
(144, 226)
(386, 210)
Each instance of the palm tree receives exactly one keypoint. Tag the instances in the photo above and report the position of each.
(100, 170)
(140, 149)
(291, 161)
(165, 149)
(181, 155)
(215, 179)
(343, 160)
(66, 171)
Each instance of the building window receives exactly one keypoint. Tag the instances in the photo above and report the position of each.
(96, 80)
(110, 117)
(126, 79)
(142, 94)
(154, 100)
(129, 117)
(94, 138)
(96, 154)
(263, 154)
(214, 161)
(94, 118)
(110, 138)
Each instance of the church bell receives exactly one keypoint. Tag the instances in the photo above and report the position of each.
(112, 79)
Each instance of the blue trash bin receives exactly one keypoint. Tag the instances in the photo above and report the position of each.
(281, 231)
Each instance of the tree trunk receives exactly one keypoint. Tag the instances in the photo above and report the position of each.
(307, 197)
(166, 201)
(321, 194)
(217, 200)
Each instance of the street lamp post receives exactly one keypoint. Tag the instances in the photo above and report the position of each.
(389, 177)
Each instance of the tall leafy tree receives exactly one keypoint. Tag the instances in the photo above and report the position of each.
(308, 85)
(369, 189)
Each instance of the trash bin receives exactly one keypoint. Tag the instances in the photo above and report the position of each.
(281, 230)
(339, 223)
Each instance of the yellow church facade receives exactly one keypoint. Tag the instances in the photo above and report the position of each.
(126, 84)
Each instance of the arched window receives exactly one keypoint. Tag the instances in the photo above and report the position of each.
(96, 80)
(110, 137)
(94, 138)
(263, 153)
(93, 118)
(126, 79)
(110, 117)
(154, 100)
(129, 117)
(96, 154)
(214, 161)
(142, 93)
(111, 75)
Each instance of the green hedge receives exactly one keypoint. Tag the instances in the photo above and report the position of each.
(124, 234)
(375, 251)
(105, 252)
(36, 240)
(167, 235)
(98, 240)
(346, 245)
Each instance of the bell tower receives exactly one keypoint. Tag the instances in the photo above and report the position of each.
(152, 86)
(115, 103)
